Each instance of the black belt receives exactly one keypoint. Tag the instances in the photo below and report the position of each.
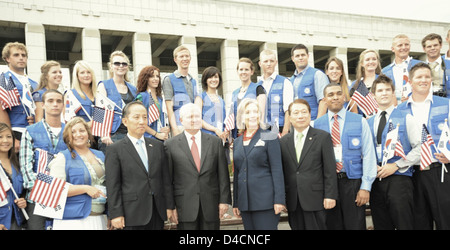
(341, 175)
(433, 165)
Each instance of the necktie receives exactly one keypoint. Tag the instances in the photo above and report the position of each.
(436, 76)
(142, 153)
(381, 126)
(195, 154)
(336, 138)
(298, 146)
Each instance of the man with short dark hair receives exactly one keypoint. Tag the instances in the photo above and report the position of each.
(309, 170)
(45, 135)
(440, 67)
(137, 179)
(391, 199)
(308, 82)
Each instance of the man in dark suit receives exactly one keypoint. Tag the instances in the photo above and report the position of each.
(199, 174)
(137, 178)
(309, 170)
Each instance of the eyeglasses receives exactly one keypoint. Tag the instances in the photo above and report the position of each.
(124, 64)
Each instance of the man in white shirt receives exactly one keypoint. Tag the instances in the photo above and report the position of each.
(391, 199)
(399, 68)
(440, 67)
(279, 91)
(431, 199)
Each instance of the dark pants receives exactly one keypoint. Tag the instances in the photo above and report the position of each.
(260, 220)
(307, 220)
(346, 215)
(155, 223)
(391, 203)
(200, 223)
(431, 198)
(35, 222)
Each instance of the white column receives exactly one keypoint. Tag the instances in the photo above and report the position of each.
(142, 53)
(311, 55)
(229, 57)
(37, 53)
(341, 53)
(92, 51)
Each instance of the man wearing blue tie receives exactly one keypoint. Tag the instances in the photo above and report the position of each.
(137, 177)
(355, 160)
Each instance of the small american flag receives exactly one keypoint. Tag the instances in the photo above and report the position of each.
(102, 121)
(44, 159)
(229, 122)
(365, 100)
(2, 191)
(425, 148)
(9, 95)
(47, 190)
(153, 111)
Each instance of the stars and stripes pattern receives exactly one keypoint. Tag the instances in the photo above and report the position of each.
(2, 191)
(102, 120)
(398, 150)
(425, 148)
(47, 190)
(5, 184)
(336, 139)
(365, 100)
(9, 95)
(229, 122)
(44, 159)
(153, 111)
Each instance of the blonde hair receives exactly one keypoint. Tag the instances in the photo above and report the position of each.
(68, 136)
(240, 116)
(45, 68)
(246, 60)
(360, 72)
(399, 36)
(76, 82)
(119, 53)
(179, 49)
(6, 52)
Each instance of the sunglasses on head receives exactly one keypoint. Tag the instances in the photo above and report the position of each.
(124, 64)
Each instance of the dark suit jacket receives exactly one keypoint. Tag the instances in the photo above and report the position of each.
(314, 177)
(209, 187)
(130, 187)
(258, 173)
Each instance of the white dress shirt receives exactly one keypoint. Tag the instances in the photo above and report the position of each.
(288, 90)
(198, 141)
(134, 141)
(302, 142)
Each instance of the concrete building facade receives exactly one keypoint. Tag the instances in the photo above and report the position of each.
(217, 33)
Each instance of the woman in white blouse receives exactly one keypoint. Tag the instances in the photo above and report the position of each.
(84, 169)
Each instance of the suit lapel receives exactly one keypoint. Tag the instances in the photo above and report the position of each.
(309, 140)
(206, 144)
(291, 146)
(184, 145)
(252, 143)
(150, 151)
(133, 153)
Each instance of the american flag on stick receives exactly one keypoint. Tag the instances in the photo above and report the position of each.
(102, 120)
(153, 111)
(47, 190)
(44, 159)
(365, 100)
(9, 95)
(425, 148)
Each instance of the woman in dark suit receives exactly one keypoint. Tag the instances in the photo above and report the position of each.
(259, 195)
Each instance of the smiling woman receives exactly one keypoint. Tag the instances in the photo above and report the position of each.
(51, 77)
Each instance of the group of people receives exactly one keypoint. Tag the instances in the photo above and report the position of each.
(301, 145)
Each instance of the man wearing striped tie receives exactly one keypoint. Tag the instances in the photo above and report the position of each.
(355, 161)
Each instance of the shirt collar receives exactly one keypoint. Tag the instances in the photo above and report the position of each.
(178, 74)
(341, 114)
(429, 98)
(304, 132)
(438, 60)
(133, 139)
(197, 136)
(301, 73)
(404, 63)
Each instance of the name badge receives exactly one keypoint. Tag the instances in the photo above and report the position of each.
(338, 152)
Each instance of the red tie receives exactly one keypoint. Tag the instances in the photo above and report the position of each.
(195, 154)
(336, 138)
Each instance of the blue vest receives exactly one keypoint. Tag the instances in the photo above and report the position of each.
(6, 211)
(250, 93)
(180, 95)
(446, 78)
(274, 104)
(390, 73)
(397, 117)
(37, 95)
(113, 94)
(210, 114)
(351, 140)
(154, 125)
(87, 104)
(79, 206)
(41, 140)
(306, 90)
(17, 114)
